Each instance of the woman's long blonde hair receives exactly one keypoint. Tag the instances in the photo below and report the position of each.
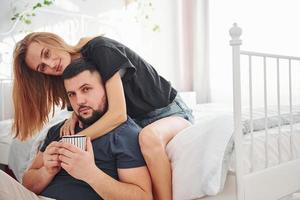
(34, 93)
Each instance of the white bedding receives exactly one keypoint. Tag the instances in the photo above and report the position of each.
(200, 157)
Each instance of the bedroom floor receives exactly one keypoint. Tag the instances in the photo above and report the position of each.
(229, 192)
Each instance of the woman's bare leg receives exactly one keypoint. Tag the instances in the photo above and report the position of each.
(153, 140)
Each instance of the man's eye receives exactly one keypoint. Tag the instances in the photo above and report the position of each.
(86, 89)
(70, 94)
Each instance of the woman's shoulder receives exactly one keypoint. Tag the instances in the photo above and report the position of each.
(102, 41)
(101, 45)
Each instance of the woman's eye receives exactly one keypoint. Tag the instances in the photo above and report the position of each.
(42, 67)
(47, 54)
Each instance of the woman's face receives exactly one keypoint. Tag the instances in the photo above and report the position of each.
(47, 60)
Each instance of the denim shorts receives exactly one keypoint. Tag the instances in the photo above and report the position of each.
(176, 108)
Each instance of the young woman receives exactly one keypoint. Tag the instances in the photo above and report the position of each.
(133, 88)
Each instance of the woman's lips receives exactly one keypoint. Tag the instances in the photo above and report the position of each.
(59, 67)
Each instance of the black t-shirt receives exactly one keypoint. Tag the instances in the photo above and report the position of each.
(116, 149)
(145, 90)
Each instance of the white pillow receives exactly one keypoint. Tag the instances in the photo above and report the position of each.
(200, 158)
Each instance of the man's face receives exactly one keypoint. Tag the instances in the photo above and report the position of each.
(87, 96)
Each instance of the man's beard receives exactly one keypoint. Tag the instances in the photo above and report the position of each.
(92, 119)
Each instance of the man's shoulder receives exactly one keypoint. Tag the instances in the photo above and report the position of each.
(128, 127)
(56, 128)
(52, 135)
(125, 145)
(127, 133)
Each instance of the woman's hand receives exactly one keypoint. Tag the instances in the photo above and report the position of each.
(69, 125)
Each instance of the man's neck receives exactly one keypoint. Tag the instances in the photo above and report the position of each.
(81, 125)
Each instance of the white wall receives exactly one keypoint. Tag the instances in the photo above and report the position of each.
(268, 26)
(158, 48)
(161, 48)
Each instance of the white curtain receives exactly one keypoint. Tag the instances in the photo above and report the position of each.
(194, 48)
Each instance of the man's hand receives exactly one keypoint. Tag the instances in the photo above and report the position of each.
(50, 158)
(76, 162)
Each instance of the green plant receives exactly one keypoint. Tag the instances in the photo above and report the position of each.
(26, 16)
(145, 12)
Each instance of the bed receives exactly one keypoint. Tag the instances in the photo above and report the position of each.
(263, 163)
(230, 152)
(272, 182)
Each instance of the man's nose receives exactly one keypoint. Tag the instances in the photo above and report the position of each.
(81, 99)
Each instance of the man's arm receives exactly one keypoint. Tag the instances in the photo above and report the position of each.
(42, 170)
(134, 183)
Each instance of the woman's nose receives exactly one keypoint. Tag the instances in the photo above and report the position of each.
(49, 63)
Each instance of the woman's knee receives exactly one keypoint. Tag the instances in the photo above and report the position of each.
(149, 140)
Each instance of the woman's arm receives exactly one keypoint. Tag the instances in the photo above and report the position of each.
(116, 113)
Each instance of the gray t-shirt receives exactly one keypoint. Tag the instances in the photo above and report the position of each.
(116, 149)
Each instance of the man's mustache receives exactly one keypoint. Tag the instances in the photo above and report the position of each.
(83, 107)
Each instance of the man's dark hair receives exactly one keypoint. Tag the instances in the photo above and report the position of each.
(76, 67)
